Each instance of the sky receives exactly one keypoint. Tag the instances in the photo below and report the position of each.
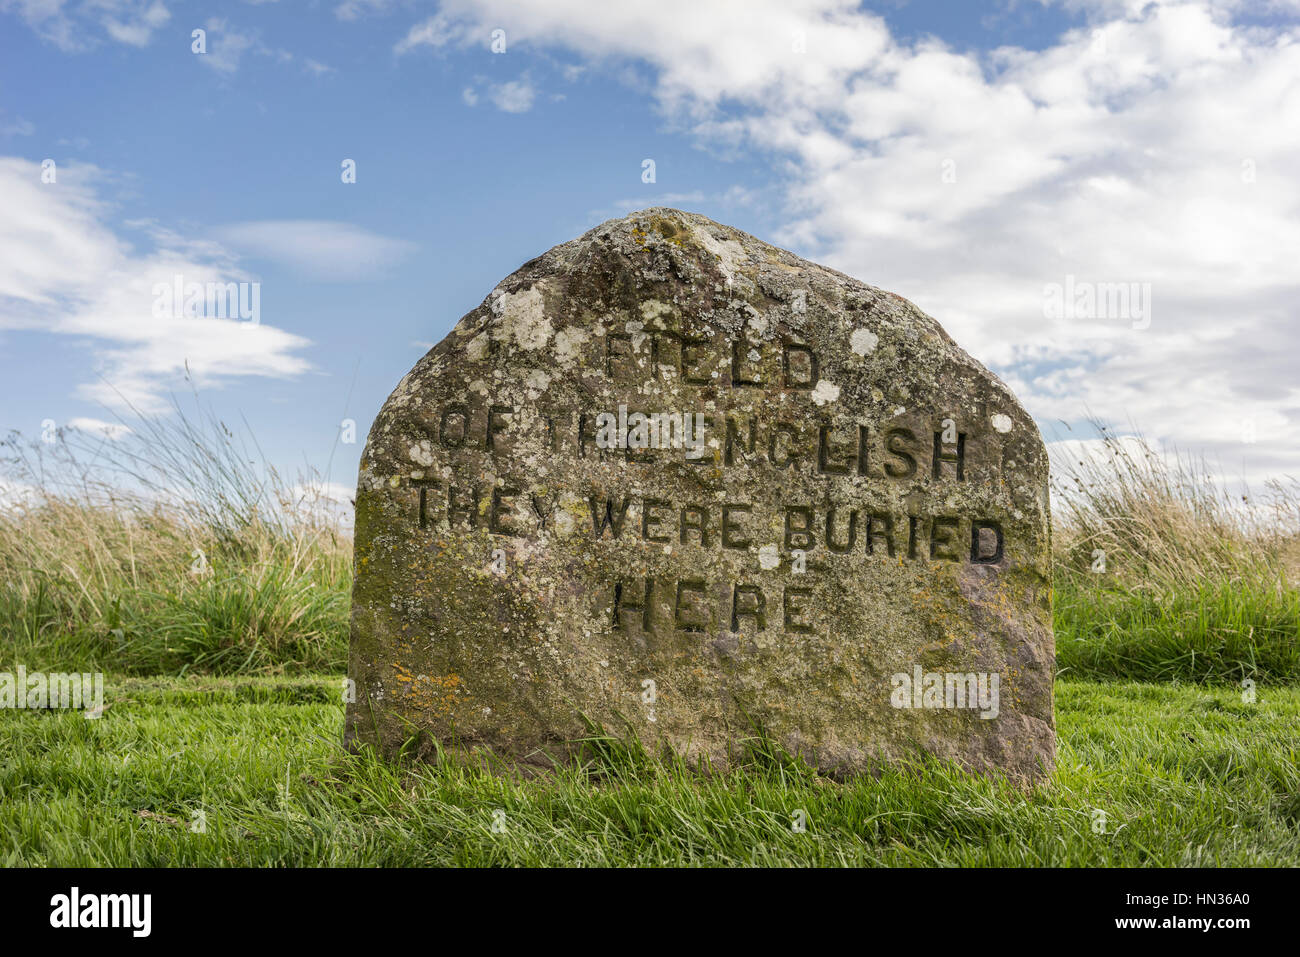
(1098, 199)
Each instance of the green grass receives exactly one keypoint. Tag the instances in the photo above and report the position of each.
(171, 551)
(1185, 775)
(174, 552)
(1168, 595)
(1208, 632)
(255, 619)
(242, 617)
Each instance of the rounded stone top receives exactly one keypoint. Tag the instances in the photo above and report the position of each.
(670, 471)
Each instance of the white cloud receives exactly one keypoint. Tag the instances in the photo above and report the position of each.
(318, 500)
(74, 27)
(436, 32)
(16, 495)
(1111, 9)
(515, 96)
(356, 9)
(97, 427)
(316, 68)
(1069, 455)
(225, 46)
(19, 127)
(735, 196)
(1149, 147)
(319, 249)
(64, 271)
(137, 23)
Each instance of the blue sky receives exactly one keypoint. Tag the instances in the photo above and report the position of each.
(970, 156)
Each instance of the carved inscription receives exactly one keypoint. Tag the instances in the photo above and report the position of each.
(506, 504)
(669, 478)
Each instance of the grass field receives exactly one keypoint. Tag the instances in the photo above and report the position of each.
(219, 611)
(1184, 776)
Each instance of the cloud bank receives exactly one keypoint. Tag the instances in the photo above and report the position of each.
(1147, 150)
(63, 270)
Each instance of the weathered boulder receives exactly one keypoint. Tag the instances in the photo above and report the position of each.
(670, 475)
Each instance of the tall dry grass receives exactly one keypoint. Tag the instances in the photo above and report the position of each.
(179, 549)
(168, 550)
(1163, 571)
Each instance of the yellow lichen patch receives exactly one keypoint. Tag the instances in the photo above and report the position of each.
(667, 230)
(434, 695)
